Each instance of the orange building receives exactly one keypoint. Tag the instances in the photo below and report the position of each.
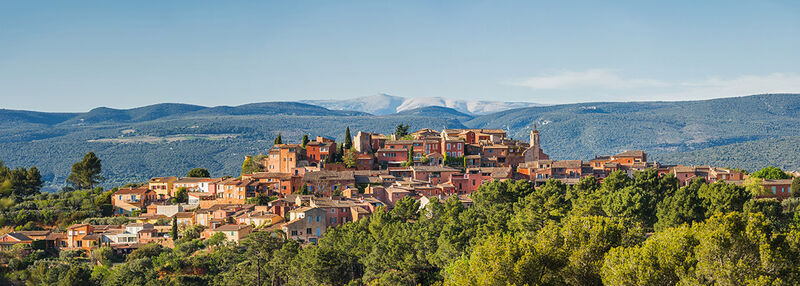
(319, 150)
(283, 158)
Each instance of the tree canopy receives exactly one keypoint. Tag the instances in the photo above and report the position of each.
(198, 173)
(86, 173)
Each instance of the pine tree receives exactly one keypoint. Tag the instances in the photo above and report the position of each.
(86, 173)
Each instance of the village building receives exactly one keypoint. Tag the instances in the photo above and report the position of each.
(128, 200)
(232, 232)
(164, 187)
(305, 224)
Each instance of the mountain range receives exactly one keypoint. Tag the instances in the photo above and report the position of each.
(383, 104)
(170, 139)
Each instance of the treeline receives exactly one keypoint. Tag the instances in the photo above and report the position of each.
(19, 181)
(24, 207)
(639, 230)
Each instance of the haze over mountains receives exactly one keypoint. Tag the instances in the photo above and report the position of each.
(382, 104)
(169, 139)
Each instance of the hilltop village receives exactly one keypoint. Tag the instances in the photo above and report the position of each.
(304, 189)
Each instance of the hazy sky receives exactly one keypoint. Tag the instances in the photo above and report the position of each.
(76, 55)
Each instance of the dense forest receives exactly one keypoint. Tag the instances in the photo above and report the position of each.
(170, 139)
(639, 230)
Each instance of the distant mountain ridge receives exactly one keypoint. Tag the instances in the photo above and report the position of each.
(384, 104)
(170, 139)
(168, 111)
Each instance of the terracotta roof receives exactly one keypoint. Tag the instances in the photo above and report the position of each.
(95, 236)
(777, 182)
(34, 232)
(434, 169)
(329, 175)
(193, 180)
(137, 191)
(231, 227)
(631, 153)
(77, 225)
(19, 236)
(162, 179)
(267, 175)
(496, 146)
(567, 164)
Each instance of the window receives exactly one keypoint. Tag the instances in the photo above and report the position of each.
(318, 218)
(333, 220)
(773, 189)
(294, 232)
(309, 218)
(308, 230)
(319, 233)
(333, 210)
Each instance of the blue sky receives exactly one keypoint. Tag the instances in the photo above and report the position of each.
(76, 55)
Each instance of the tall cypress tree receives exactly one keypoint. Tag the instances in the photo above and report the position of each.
(174, 228)
(348, 140)
(305, 140)
(278, 140)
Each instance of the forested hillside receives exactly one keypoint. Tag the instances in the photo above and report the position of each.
(134, 147)
(170, 139)
(588, 129)
(781, 152)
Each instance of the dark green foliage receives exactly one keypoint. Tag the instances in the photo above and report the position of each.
(401, 130)
(174, 232)
(278, 140)
(771, 173)
(60, 209)
(181, 196)
(304, 141)
(770, 208)
(409, 158)
(19, 181)
(750, 155)
(198, 173)
(405, 209)
(796, 187)
(86, 173)
(630, 203)
(350, 158)
(261, 199)
(586, 234)
(545, 205)
(685, 206)
(723, 197)
(253, 164)
(494, 202)
(348, 139)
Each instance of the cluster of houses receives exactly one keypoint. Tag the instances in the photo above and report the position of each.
(314, 194)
